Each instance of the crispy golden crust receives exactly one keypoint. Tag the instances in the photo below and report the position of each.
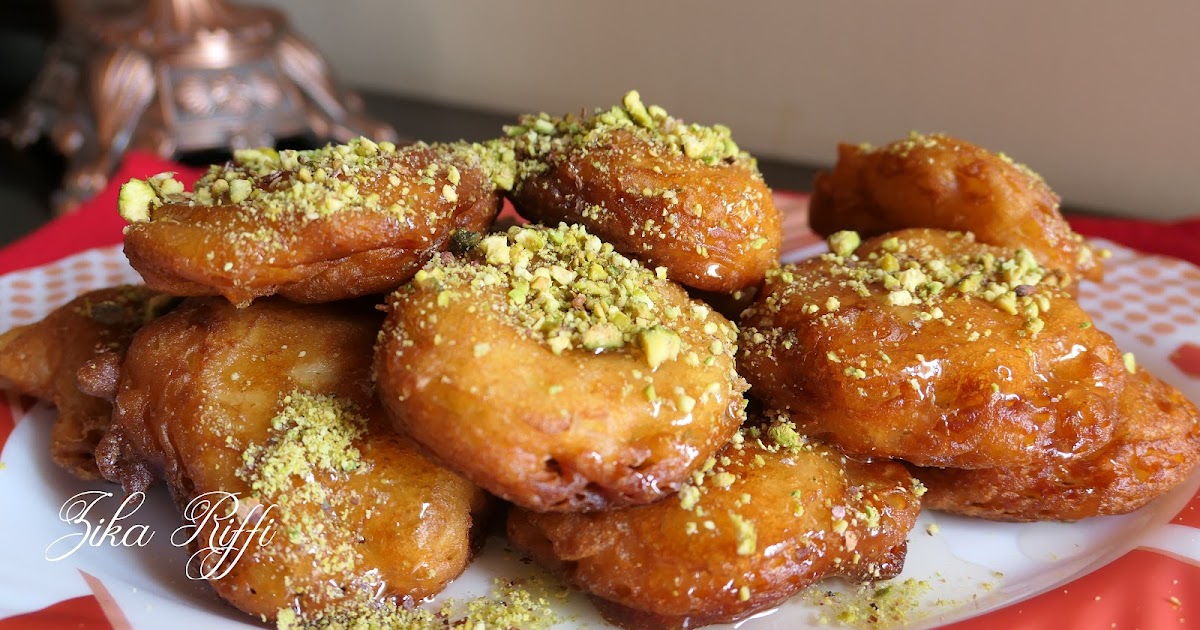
(510, 382)
(43, 360)
(709, 219)
(274, 401)
(765, 522)
(364, 229)
(938, 361)
(1155, 448)
(935, 181)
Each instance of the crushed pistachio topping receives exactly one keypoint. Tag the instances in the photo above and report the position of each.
(716, 474)
(311, 443)
(659, 344)
(720, 500)
(844, 243)
(917, 141)
(569, 290)
(612, 146)
(311, 434)
(304, 186)
(136, 199)
(910, 276)
(540, 135)
(784, 434)
(879, 605)
(1130, 362)
(747, 537)
(510, 604)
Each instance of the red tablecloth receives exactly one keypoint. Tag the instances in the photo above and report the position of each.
(97, 224)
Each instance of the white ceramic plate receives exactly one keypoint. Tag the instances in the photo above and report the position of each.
(1151, 305)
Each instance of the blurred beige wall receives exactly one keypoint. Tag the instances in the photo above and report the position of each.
(1101, 97)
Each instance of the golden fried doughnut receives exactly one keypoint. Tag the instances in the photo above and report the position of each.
(935, 181)
(558, 374)
(666, 192)
(44, 358)
(929, 347)
(769, 516)
(1155, 448)
(274, 402)
(313, 226)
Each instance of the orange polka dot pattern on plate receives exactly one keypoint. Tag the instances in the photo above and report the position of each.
(1151, 306)
(28, 295)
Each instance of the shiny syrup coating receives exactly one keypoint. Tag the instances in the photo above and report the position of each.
(1155, 447)
(364, 228)
(470, 366)
(987, 368)
(274, 402)
(763, 522)
(703, 213)
(936, 181)
(45, 358)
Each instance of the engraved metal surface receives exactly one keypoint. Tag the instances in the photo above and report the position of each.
(174, 76)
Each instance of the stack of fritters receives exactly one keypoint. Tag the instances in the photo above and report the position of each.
(564, 369)
(963, 353)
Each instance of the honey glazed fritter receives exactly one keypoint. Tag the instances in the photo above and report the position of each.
(577, 378)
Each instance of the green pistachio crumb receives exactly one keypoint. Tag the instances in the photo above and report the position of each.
(723, 479)
(659, 344)
(135, 200)
(785, 435)
(745, 534)
(1130, 362)
(844, 243)
(539, 136)
(689, 496)
(603, 336)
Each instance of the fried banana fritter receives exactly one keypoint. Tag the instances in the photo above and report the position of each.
(935, 181)
(274, 402)
(666, 192)
(769, 516)
(926, 346)
(1155, 448)
(89, 333)
(558, 374)
(313, 226)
